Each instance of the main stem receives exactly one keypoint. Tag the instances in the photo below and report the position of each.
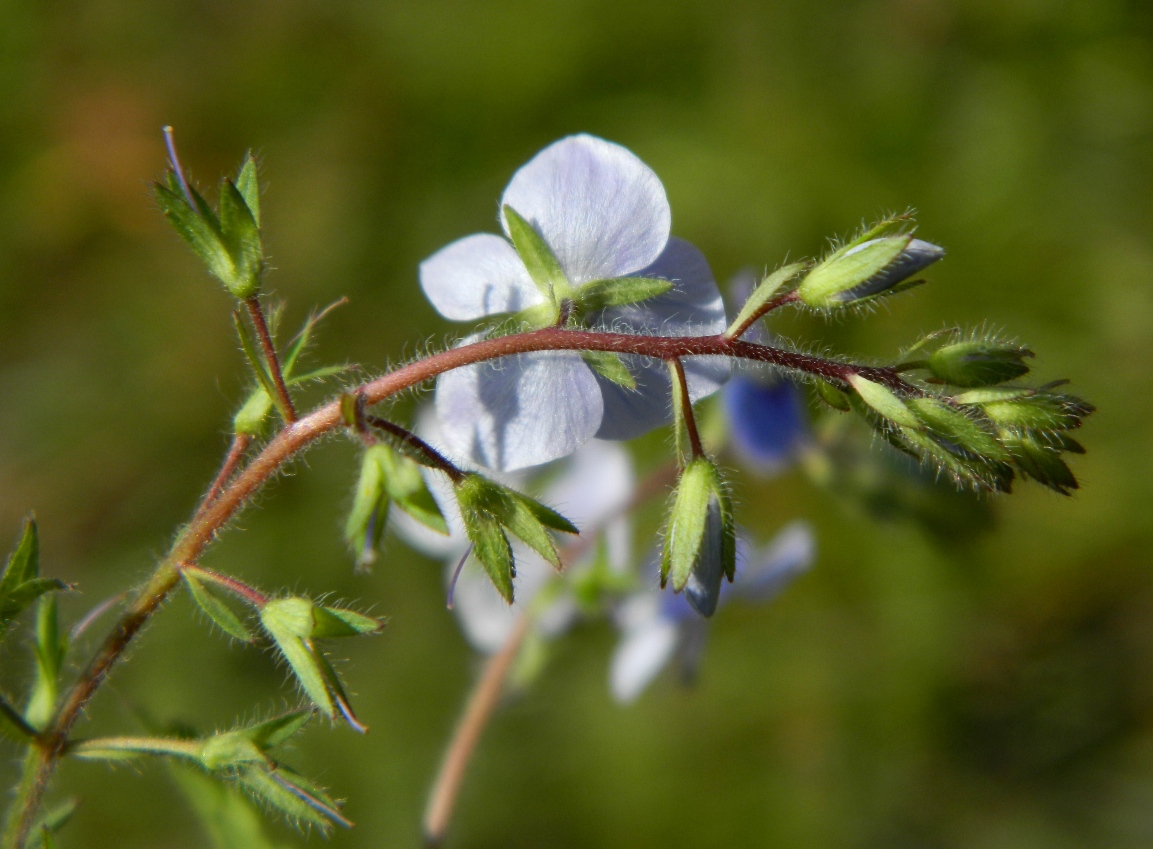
(211, 517)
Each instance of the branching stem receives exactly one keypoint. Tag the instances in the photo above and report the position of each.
(213, 516)
(271, 358)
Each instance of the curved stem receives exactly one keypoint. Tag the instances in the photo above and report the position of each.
(211, 518)
(481, 703)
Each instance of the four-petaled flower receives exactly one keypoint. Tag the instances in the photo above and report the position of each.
(596, 222)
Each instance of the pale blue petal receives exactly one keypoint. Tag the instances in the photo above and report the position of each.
(765, 573)
(647, 645)
(477, 276)
(694, 307)
(519, 411)
(603, 212)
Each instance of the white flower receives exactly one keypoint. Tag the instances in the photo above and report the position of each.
(655, 624)
(604, 215)
(592, 491)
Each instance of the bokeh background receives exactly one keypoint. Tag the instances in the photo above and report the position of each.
(992, 691)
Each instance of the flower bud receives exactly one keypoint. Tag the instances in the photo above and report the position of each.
(1029, 409)
(866, 269)
(700, 540)
(976, 363)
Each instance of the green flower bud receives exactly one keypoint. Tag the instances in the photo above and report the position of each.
(977, 363)
(1041, 461)
(700, 539)
(1030, 409)
(863, 270)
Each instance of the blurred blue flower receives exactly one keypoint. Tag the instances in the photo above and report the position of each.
(767, 422)
(656, 625)
(604, 214)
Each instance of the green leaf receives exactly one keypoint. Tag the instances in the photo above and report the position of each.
(546, 515)
(765, 292)
(229, 819)
(686, 525)
(538, 258)
(884, 401)
(247, 184)
(610, 366)
(597, 295)
(218, 611)
(52, 821)
(50, 649)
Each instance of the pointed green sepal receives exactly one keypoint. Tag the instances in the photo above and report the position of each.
(884, 401)
(700, 538)
(1040, 460)
(366, 519)
(768, 289)
(407, 488)
(538, 258)
(610, 366)
(597, 295)
(242, 240)
(952, 425)
(216, 608)
(831, 395)
(248, 185)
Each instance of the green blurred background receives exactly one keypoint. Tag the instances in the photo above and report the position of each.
(996, 693)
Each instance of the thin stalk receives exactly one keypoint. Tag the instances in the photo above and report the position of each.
(212, 517)
(271, 359)
(232, 459)
(685, 408)
(481, 703)
(485, 695)
(432, 457)
(773, 303)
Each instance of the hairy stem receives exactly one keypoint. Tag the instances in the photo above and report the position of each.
(773, 303)
(433, 457)
(212, 517)
(232, 460)
(685, 408)
(256, 313)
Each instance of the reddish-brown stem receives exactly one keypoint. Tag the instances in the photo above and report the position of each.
(686, 409)
(271, 358)
(237, 587)
(232, 459)
(485, 695)
(433, 457)
(481, 703)
(208, 521)
(769, 305)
